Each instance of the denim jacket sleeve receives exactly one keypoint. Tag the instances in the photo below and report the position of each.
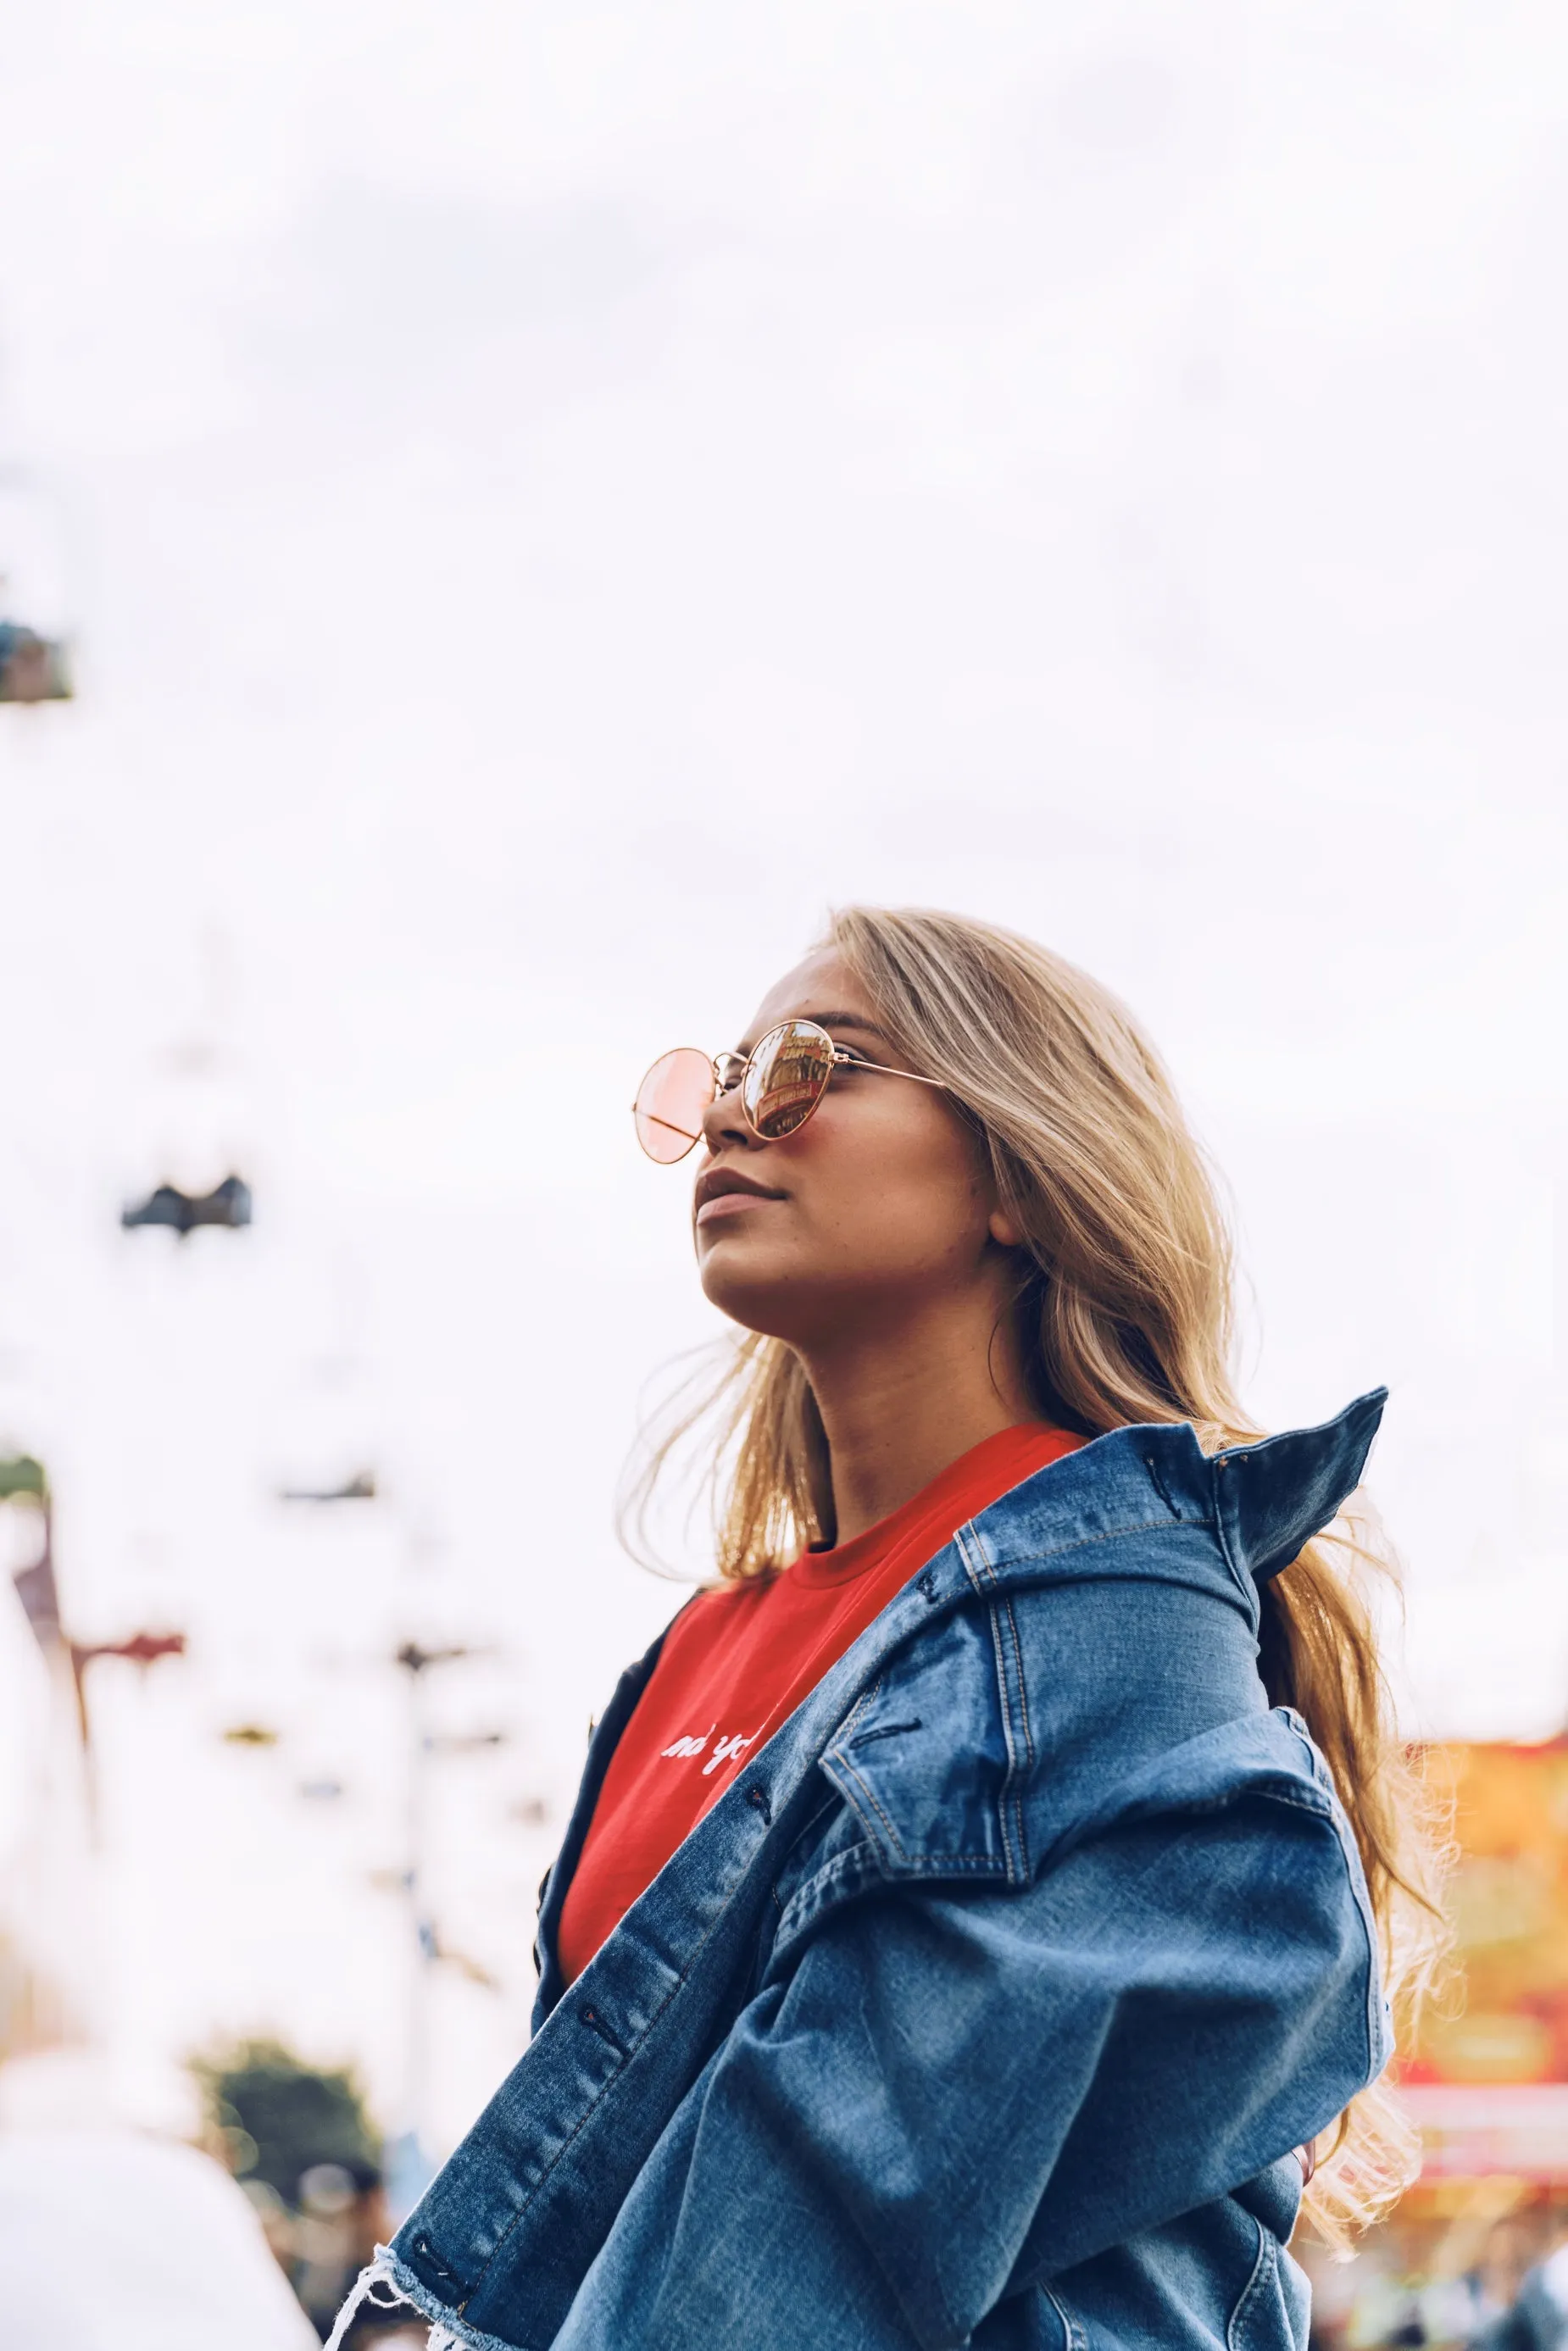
(946, 2094)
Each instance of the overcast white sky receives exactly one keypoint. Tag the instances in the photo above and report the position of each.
(552, 498)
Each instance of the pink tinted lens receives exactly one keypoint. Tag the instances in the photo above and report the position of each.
(670, 1103)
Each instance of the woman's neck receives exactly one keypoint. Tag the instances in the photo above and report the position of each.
(898, 1408)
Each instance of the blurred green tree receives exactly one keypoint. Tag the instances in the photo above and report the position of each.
(21, 1474)
(274, 2116)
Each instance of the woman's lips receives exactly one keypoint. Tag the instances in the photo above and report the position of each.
(726, 1204)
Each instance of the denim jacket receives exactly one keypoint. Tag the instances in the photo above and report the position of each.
(988, 2003)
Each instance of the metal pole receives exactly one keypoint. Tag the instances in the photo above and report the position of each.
(424, 1946)
(422, 1936)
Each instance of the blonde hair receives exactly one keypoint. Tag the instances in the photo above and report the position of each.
(1124, 1312)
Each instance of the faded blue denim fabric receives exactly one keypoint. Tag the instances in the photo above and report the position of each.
(989, 2002)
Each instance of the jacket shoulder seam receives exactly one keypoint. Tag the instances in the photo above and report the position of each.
(1242, 1580)
(1017, 1730)
(1029, 1755)
(1088, 1542)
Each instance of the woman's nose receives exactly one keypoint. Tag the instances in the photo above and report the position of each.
(725, 1122)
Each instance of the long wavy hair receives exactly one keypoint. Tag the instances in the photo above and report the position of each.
(1124, 1313)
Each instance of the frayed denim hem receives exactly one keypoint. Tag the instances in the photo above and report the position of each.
(447, 2332)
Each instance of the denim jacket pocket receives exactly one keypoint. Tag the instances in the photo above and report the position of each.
(927, 1763)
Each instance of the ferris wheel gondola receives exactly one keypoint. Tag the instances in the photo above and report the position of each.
(33, 668)
(35, 643)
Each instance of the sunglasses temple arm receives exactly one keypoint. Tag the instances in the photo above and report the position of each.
(883, 1068)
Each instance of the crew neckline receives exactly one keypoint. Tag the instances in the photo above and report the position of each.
(1013, 1452)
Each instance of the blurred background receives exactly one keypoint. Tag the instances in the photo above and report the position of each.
(507, 514)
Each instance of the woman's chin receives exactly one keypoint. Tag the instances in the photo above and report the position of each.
(766, 1299)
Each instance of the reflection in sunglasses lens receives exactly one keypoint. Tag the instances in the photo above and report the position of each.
(788, 1073)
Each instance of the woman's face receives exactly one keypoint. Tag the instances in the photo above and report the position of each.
(880, 1206)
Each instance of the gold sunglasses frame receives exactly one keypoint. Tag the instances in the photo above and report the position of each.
(729, 1071)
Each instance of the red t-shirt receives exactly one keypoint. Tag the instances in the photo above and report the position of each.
(738, 1661)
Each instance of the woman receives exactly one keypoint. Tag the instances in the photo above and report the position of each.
(982, 1899)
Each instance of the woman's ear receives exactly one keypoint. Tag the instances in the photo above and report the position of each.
(1005, 1230)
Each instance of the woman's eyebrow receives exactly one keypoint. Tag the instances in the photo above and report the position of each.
(849, 1021)
(829, 1020)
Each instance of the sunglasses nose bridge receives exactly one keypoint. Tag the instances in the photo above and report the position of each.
(724, 1117)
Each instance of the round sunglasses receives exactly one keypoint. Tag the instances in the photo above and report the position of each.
(781, 1082)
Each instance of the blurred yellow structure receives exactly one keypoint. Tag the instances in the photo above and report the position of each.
(1488, 2085)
